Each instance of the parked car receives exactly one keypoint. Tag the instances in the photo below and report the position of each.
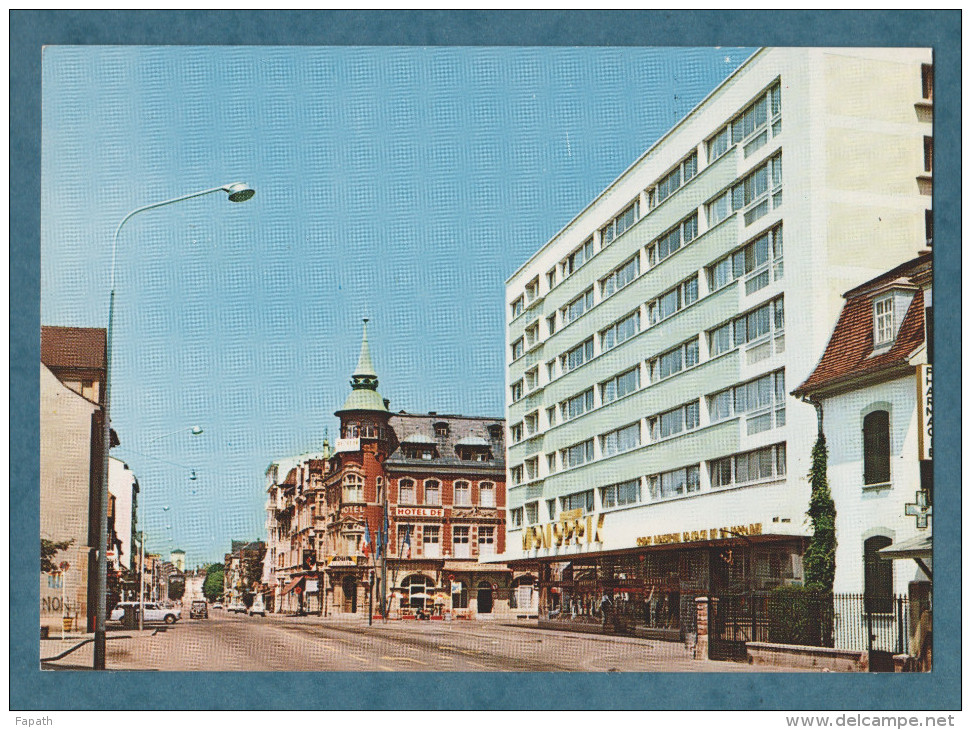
(258, 606)
(236, 607)
(154, 612)
(217, 604)
(199, 609)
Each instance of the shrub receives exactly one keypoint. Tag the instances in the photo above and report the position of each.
(800, 615)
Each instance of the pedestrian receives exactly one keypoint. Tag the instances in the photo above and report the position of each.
(605, 609)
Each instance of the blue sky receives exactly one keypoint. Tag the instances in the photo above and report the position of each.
(400, 183)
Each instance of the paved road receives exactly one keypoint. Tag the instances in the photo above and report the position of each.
(232, 642)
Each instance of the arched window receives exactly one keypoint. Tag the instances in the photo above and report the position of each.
(876, 448)
(416, 591)
(353, 488)
(463, 494)
(487, 494)
(406, 491)
(877, 576)
(433, 491)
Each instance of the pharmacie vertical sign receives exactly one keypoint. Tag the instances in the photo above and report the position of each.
(925, 403)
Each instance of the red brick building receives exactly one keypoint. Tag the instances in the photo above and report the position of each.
(444, 510)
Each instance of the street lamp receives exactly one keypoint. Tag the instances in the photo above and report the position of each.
(238, 193)
(195, 430)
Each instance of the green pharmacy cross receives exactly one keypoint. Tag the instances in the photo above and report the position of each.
(919, 509)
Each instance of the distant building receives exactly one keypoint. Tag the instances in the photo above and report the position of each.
(444, 480)
(123, 486)
(177, 558)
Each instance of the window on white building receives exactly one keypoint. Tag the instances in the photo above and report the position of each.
(578, 500)
(620, 277)
(675, 483)
(760, 465)
(674, 360)
(578, 258)
(578, 307)
(620, 331)
(577, 405)
(620, 385)
(667, 243)
(627, 218)
(675, 421)
(758, 262)
(762, 401)
(620, 440)
(673, 300)
(674, 180)
(619, 495)
(532, 513)
(516, 517)
(577, 454)
(577, 356)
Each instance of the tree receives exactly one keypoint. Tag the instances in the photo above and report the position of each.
(176, 587)
(819, 562)
(48, 551)
(212, 587)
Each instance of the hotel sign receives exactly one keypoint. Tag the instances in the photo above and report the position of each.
(347, 445)
(571, 527)
(715, 533)
(419, 511)
(925, 422)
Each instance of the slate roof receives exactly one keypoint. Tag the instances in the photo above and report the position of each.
(460, 428)
(81, 348)
(848, 356)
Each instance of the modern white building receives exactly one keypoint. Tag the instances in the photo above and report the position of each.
(654, 452)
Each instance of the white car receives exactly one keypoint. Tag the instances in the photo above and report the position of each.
(236, 607)
(154, 612)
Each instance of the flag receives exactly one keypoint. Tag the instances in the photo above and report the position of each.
(367, 540)
(406, 545)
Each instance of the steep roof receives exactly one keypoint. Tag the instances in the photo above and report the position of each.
(81, 348)
(364, 394)
(414, 428)
(849, 354)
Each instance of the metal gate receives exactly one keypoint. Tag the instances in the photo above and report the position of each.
(733, 620)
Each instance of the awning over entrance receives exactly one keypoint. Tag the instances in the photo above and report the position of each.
(919, 549)
(293, 584)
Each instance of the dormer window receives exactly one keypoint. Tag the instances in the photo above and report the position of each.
(495, 432)
(441, 429)
(883, 325)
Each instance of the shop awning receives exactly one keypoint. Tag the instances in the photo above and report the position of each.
(920, 549)
(293, 584)
(470, 567)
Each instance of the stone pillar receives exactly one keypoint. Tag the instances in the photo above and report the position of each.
(701, 613)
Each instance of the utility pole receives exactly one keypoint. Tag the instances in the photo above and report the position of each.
(384, 558)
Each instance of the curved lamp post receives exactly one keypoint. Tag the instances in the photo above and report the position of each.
(238, 192)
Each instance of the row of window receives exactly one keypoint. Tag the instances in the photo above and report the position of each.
(758, 263)
(765, 322)
(752, 126)
(353, 492)
(431, 540)
(751, 467)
